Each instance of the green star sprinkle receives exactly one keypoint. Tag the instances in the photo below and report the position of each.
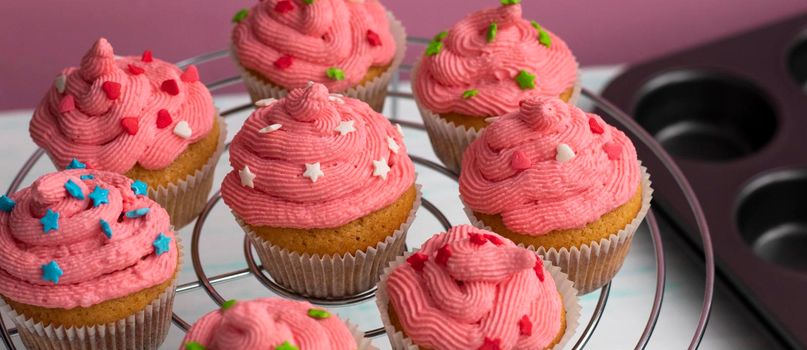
(227, 304)
(194, 346)
(318, 313)
(286, 346)
(308, 2)
(510, 2)
(240, 15)
(492, 29)
(434, 48)
(440, 36)
(470, 93)
(525, 80)
(536, 25)
(335, 73)
(544, 39)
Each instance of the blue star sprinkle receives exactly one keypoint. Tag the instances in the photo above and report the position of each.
(51, 272)
(140, 188)
(75, 164)
(7, 204)
(161, 244)
(73, 189)
(87, 177)
(106, 229)
(99, 196)
(132, 214)
(50, 222)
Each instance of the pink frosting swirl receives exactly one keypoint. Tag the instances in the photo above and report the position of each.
(109, 112)
(467, 287)
(267, 323)
(517, 168)
(342, 137)
(468, 61)
(95, 267)
(308, 39)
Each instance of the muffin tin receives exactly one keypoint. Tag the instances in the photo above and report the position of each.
(733, 114)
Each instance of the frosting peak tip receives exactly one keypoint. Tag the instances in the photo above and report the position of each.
(309, 103)
(543, 113)
(99, 60)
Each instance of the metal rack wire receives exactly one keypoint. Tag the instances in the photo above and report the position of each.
(207, 283)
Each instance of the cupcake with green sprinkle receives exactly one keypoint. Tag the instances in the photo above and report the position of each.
(273, 323)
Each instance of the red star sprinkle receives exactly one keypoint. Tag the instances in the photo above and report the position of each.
(284, 62)
(417, 261)
(284, 6)
(111, 89)
(163, 119)
(373, 38)
(443, 254)
(595, 126)
(491, 344)
(525, 326)
(147, 57)
(130, 125)
(190, 75)
(478, 238)
(520, 161)
(67, 104)
(613, 150)
(135, 70)
(170, 87)
(494, 239)
(539, 269)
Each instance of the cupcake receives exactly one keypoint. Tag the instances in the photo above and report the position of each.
(560, 181)
(272, 323)
(473, 289)
(137, 116)
(87, 261)
(482, 68)
(353, 47)
(324, 189)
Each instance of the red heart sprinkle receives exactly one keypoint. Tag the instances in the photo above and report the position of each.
(163, 119)
(67, 104)
(373, 38)
(417, 261)
(494, 239)
(613, 150)
(111, 89)
(443, 254)
(284, 62)
(539, 269)
(130, 125)
(170, 87)
(491, 344)
(478, 238)
(520, 161)
(595, 126)
(190, 75)
(525, 326)
(147, 57)
(135, 70)
(284, 6)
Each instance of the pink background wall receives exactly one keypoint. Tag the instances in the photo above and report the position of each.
(39, 37)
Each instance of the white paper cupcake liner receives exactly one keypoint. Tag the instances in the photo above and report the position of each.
(373, 92)
(145, 329)
(361, 342)
(185, 199)
(566, 289)
(592, 265)
(330, 276)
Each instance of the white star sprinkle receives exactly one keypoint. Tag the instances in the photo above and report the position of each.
(345, 127)
(381, 169)
(336, 98)
(309, 84)
(183, 130)
(247, 177)
(270, 128)
(265, 102)
(313, 172)
(60, 82)
(400, 130)
(393, 146)
(565, 153)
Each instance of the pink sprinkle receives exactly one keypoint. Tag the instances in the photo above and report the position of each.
(135, 70)
(478, 238)
(613, 150)
(111, 89)
(147, 57)
(539, 269)
(284, 6)
(443, 254)
(170, 87)
(595, 126)
(373, 38)
(417, 261)
(491, 344)
(163, 119)
(284, 62)
(525, 326)
(520, 161)
(494, 239)
(67, 104)
(190, 75)
(130, 124)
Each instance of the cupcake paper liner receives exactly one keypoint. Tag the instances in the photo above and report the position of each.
(566, 289)
(145, 329)
(373, 92)
(362, 343)
(592, 265)
(186, 198)
(330, 276)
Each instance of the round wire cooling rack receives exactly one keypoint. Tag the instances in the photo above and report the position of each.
(207, 283)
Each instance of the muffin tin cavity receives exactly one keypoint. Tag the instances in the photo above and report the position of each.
(797, 61)
(706, 116)
(772, 218)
